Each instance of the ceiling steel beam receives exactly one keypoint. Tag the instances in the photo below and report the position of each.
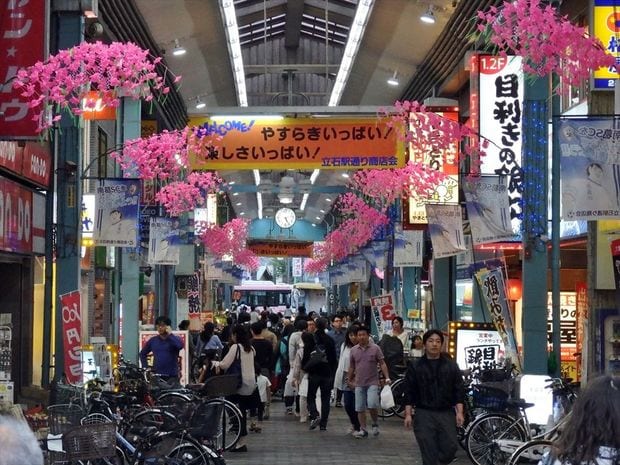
(294, 13)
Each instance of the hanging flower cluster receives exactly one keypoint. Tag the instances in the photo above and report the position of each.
(165, 155)
(548, 42)
(386, 186)
(230, 240)
(182, 196)
(360, 227)
(115, 70)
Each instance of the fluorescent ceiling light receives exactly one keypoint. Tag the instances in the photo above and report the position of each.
(354, 40)
(393, 81)
(238, 204)
(345, 175)
(235, 194)
(200, 104)
(304, 199)
(230, 183)
(327, 199)
(259, 203)
(322, 211)
(285, 198)
(256, 177)
(314, 175)
(234, 49)
(246, 117)
(242, 213)
(318, 217)
(178, 50)
(429, 16)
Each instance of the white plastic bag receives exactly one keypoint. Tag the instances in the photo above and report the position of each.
(387, 398)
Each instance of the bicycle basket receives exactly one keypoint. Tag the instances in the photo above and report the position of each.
(495, 374)
(206, 422)
(488, 397)
(220, 385)
(96, 441)
(63, 417)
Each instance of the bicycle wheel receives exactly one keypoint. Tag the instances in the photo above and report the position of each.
(189, 453)
(490, 440)
(530, 452)
(231, 425)
(175, 403)
(161, 419)
(398, 391)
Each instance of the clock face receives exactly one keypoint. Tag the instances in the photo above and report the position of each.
(285, 217)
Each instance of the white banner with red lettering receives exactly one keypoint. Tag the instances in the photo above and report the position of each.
(383, 311)
(71, 334)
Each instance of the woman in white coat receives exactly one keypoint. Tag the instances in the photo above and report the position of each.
(247, 396)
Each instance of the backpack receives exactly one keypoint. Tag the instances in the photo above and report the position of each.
(284, 361)
(317, 359)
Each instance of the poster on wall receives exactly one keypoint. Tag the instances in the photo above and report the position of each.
(71, 335)
(183, 354)
(589, 167)
(408, 248)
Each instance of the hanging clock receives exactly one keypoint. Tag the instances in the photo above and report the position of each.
(285, 218)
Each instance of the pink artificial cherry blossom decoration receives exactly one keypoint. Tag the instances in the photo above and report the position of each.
(230, 240)
(114, 71)
(182, 196)
(548, 42)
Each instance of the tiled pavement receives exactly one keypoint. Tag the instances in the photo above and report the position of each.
(285, 441)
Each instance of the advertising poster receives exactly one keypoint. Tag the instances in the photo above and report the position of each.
(117, 207)
(163, 242)
(183, 358)
(383, 311)
(408, 248)
(589, 167)
(493, 289)
(582, 330)
(445, 226)
(71, 334)
(488, 209)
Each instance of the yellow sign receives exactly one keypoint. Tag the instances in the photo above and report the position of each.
(332, 144)
(607, 30)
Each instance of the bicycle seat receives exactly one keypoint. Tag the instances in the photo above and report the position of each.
(143, 431)
(519, 403)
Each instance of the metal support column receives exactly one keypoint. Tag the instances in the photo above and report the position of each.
(68, 29)
(534, 267)
(130, 262)
(444, 295)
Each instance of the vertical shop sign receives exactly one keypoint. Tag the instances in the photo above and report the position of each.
(501, 93)
(72, 338)
(193, 301)
(494, 293)
(581, 315)
(22, 39)
(606, 17)
(567, 329)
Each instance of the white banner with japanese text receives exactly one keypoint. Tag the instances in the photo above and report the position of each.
(488, 209)
(445, 226)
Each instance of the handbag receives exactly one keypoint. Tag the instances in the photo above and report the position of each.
(387, 398)
(317, 359)
(235, 367)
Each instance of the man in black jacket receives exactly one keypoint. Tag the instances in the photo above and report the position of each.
(321, 376)
(434, 388)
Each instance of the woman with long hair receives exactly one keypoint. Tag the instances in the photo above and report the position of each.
(591, 435)
(247, 395)
(341, 378)
(300, 377)
(208, 348)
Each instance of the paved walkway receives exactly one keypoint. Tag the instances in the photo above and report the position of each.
(285, 441)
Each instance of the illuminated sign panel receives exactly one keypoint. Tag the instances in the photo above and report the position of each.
(446, 161)
(336, 144)
(501, 93)
(607, 30)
